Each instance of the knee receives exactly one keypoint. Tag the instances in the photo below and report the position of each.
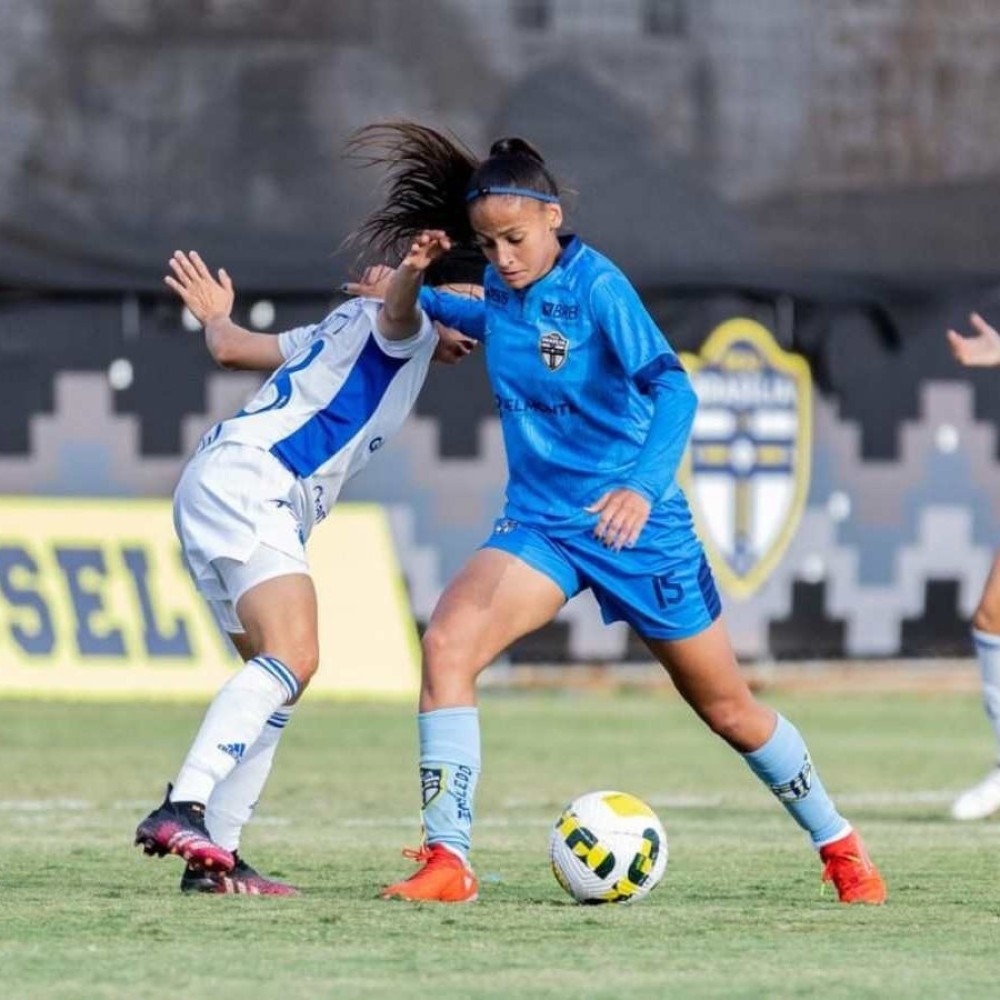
(737, 722)
(725, 721)
(442, 652)
(302, 658)
(449, 666)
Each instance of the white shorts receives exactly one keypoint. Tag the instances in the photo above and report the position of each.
(242, 518)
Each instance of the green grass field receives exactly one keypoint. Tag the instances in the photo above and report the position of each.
(84, 916)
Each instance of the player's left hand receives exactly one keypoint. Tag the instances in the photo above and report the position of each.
(452, 346)
(372, 284)
(623, 515)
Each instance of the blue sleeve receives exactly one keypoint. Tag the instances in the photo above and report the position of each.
(646, 356)
(467, 315)
(631, 333)
(674, 405)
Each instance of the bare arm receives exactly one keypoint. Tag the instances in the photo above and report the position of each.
(211, 302)
(400, 316)
(980, 350)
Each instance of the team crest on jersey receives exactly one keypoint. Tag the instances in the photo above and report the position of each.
(747, 467)
(554, 348)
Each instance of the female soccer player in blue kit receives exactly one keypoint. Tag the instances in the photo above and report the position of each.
(595, 410)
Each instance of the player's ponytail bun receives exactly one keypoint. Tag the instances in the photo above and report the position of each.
(514, 146)
(514, 165)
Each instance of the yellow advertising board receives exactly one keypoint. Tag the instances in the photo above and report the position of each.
(95, 601)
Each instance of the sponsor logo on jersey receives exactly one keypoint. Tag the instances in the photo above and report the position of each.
(566, 311)
(554, 348)
(497, 296)
(747, 467)
(504, 526)
(376, 443)
(511, 404)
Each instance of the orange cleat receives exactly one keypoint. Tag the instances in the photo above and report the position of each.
(445, 878)
(846, 864)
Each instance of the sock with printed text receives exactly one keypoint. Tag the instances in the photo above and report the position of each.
(449, 770)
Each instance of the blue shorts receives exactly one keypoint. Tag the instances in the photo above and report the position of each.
(663, 586)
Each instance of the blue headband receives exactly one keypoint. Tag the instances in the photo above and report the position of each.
(482, 192)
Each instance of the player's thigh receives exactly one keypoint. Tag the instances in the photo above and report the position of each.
(280, 617)
(494, 600)
(704, 670)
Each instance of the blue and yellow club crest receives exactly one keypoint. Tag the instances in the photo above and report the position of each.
(746, 470)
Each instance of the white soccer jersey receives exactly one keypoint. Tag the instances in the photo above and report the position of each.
(343, 389)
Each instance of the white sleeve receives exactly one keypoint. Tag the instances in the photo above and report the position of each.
(424, 339)
(292, 340)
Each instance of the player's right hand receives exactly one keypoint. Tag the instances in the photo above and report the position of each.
(429, 246)
(208, 298)
(980, 350)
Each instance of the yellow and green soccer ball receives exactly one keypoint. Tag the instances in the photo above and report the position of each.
(608, 847)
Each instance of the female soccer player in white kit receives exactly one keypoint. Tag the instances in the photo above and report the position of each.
(982, 349)
(243, 509)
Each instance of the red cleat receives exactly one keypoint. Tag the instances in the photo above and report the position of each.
(846, 864)
(445, 878)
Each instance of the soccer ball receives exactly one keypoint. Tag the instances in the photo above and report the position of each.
(608, 847)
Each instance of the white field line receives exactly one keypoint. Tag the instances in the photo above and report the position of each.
(910, 798)
(915, 797)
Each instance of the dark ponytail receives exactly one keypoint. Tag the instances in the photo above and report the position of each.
(429, 174)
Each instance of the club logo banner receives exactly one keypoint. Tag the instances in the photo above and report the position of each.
(747, 468)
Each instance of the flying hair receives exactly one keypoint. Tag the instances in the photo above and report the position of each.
(434, 178)
(428, 175)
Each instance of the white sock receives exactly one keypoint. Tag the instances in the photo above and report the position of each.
(988, 653)
(232, 724)
(235, 798)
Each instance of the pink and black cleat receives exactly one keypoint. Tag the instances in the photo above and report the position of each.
(242, 880)
(179, 828)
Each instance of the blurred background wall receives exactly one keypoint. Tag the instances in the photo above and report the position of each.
(828, 169)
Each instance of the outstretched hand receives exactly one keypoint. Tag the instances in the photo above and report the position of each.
(623, 515)
(208, 298)
(427, 247)
(980, 350)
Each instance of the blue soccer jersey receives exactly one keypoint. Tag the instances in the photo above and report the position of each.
(573, 361)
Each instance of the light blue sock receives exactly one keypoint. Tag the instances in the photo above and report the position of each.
(988, 654)
(449, 770)
(783, 764)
